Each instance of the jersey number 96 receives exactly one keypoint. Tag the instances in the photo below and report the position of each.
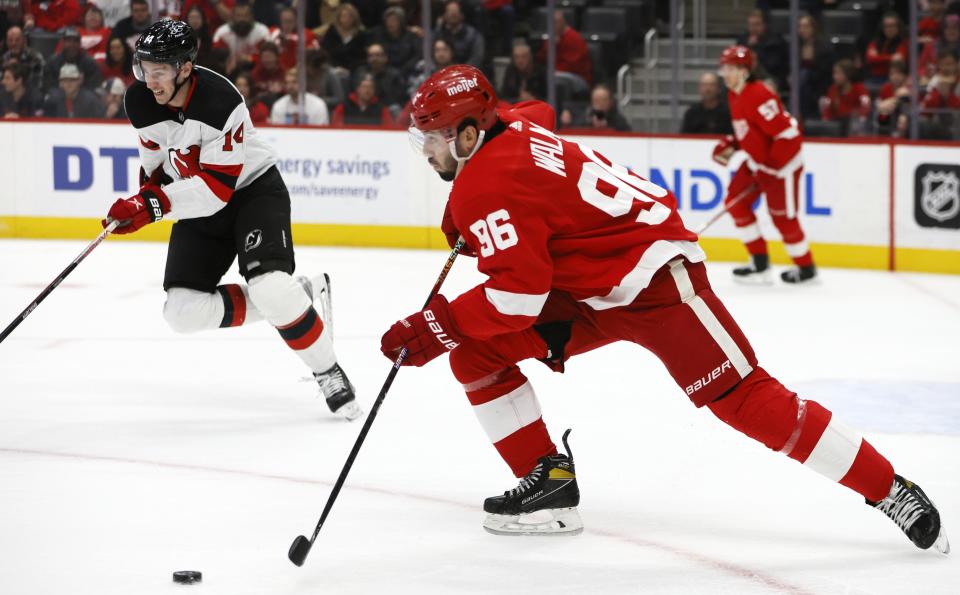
(494, 233)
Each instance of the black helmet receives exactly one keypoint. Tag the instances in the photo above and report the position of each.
(166, 42)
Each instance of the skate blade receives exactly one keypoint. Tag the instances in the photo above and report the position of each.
(942, 545)
(762, 279)
(815, 280)
(350, 411)
(556, 521)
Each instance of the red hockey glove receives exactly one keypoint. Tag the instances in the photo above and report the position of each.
(453, 234)
(724, 150)
(427, 334)
(147, 206)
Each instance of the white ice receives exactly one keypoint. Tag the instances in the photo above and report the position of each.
(128, 452)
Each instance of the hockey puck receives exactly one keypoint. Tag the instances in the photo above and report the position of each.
(187, 577)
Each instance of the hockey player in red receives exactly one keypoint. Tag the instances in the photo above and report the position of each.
(772, 141)
(580, 252)
(204, 165)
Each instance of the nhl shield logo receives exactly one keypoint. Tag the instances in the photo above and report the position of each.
(254, 238)
(937, 195)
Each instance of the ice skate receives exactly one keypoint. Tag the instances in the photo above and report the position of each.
(798, 275)
(339, 393)
(755, 273)
(318, 288)
(915, 514)
(545, 502)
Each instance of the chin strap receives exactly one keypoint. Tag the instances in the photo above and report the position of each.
(461, 161)
(177, 86)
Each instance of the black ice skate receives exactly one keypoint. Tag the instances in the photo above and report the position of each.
(545, 502)
(798, 275)
(337, 389)
(915, 514)
(755, 273)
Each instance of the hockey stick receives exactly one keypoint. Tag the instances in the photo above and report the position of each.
(726, 208)
(301, 545)
(53, 285)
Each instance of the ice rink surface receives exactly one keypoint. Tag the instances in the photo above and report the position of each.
(128, 452)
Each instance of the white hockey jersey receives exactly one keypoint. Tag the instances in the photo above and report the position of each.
(209, 147)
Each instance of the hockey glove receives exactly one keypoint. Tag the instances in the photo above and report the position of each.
(453, 234)
(147, 206)
(427, 334)
(725, 150)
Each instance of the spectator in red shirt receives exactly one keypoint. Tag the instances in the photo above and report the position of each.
(889, 43)
(118, 62)
(93, 34)
(949, 42)
(259, 112)
(286, 38)
(893, 101)
(268, 76)
(941, 101)
(846, 101)
(942, 92)
(362, 107)
(928, 28)
(572, 54)
(52, 15)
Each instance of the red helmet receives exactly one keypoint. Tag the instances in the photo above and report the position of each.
(452, 95)
(737, 55)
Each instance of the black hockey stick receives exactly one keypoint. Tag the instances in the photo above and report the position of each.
(301, 545)
(726, 208)
(53, 285)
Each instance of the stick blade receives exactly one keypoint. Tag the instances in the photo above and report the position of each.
(299, 550)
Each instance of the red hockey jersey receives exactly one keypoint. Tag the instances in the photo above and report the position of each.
(764, 130)
(544, 213)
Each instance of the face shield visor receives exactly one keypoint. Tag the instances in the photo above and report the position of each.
(149, 72)
(428, 143)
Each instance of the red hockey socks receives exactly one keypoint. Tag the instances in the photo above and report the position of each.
(509, 412)
(765, 410)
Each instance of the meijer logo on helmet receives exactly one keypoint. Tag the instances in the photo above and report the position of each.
(464, 85)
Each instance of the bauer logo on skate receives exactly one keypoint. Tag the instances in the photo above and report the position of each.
(702, 382)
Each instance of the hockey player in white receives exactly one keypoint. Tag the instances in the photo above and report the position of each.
(204, 165)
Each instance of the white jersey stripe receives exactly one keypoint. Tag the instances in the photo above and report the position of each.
(507, 414)
(709, 319)
(657, 255)
(836, 450)
(515, 304)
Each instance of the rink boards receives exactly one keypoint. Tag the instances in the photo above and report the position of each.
(877, 205)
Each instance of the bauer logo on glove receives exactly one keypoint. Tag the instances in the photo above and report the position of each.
(427, 334)
(147, 206)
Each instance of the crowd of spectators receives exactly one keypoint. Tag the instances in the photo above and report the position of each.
(73, 58)
(857, 90)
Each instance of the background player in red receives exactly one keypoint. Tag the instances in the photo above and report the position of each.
(580, 252)
(774, 165)
(204, 165)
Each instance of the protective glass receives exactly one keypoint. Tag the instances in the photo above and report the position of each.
(153, 72)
